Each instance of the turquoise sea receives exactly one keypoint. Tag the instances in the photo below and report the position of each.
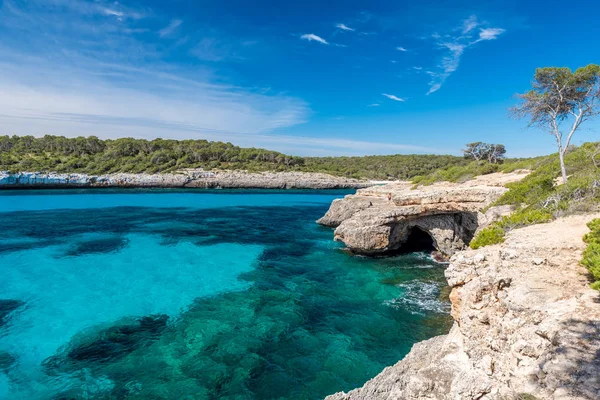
(183, 294)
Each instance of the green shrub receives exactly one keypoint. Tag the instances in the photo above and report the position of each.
(493, 234)
(591, 255)
(525, 217)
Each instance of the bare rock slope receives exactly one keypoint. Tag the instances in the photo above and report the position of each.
(381, 219)
(526, 322)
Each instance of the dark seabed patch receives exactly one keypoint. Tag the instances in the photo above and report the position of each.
(95, 246)
(109, 345)
(6, 361)
(7, 307)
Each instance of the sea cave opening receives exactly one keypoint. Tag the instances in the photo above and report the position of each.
(418, 240)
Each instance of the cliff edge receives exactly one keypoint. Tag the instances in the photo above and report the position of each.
(527, 326)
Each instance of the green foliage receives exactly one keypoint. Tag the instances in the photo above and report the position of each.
(591, 255)
(525, 217)
(95, 156)
(457, 173)
(492, 234)
(383, 167)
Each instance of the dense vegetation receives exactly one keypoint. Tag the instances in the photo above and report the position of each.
(94, 156)
(541, 197)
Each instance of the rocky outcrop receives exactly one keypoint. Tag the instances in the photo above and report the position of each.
(186, 178)
(382, 219)
(527, 326)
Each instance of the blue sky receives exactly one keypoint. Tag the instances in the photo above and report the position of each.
(307, 78)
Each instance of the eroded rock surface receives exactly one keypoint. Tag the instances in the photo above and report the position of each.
(526, 322)
(381, 219)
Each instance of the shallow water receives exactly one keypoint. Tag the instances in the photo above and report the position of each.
(182, 294)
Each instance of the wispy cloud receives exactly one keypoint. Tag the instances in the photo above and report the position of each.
(417, 68)
(469, 24)
(344, 27)
(490, 33)
(374, 105)
(110, 11)
(400, 48)
(169, 29)
(392, 97)
(454, 46)
(312, 37)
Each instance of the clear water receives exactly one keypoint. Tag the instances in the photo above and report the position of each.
(175, 294)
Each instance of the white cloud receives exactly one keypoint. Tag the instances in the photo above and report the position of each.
(418, 68)
(109, 11)
(455, 46)
(490, 33)
(392, 97)
(312, 37)
(374, 105)
(469, 24)
(401, 49)
(344, 27)
(169, 29)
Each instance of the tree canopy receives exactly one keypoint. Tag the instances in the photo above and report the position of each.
(492, 153)
(561, 97)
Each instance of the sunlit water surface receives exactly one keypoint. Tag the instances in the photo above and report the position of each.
(175, 294)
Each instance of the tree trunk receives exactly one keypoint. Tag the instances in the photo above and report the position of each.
(563, 170)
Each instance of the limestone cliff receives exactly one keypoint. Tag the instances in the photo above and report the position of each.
(183, 179)
(381, 219)
(526, 324)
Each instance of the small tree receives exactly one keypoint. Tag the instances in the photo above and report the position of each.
(560, 97)
(493, 153)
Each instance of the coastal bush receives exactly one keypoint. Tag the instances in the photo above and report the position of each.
(591, 255)
(492, 234)
(525, 217)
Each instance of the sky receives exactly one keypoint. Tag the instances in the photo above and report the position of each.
(310, 78)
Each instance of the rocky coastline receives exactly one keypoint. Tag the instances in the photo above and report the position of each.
(526, 323)
(181, 179)
(527, 326)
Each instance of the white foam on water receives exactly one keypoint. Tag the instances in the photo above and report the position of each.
(418, 297)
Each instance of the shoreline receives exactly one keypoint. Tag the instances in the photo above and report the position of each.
(183, 179)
